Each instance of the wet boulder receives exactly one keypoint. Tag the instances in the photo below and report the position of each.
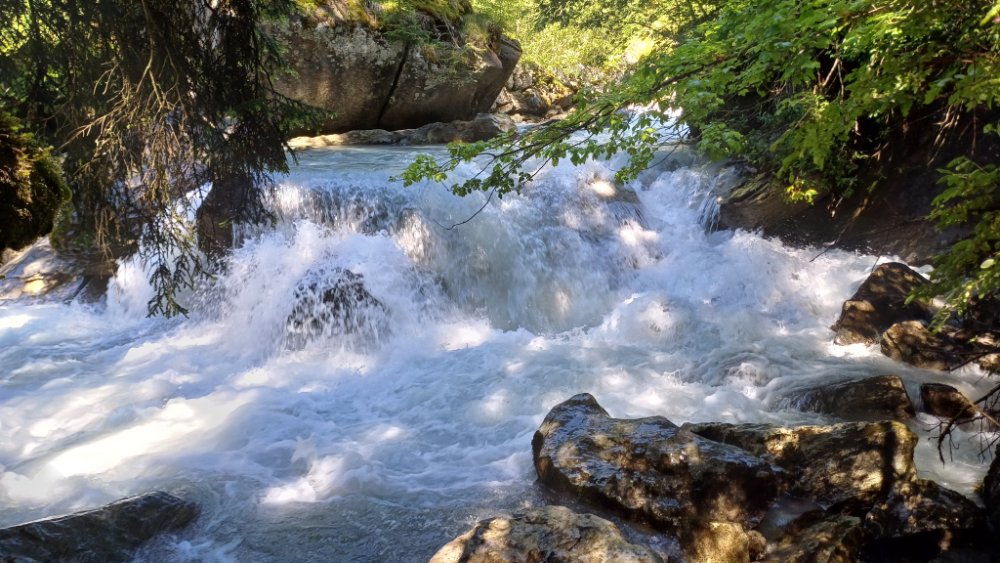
(547, 533)
(335, 303)
(847, 466)
(109, 533)
(922, 507)
(818, 537)
(874, 398)
(649, 470)
(945, 401)
(913, 343)
(879, 303)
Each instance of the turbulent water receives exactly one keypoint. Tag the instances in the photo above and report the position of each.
(363, 382)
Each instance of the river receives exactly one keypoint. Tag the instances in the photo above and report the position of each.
(382, 436)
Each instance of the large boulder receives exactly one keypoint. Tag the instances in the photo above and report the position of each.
(369, 77)
(428, 91)
(874, 398)
(879, 303)
(651, 471)
(847, 466)
(109, 533)
(547, 533)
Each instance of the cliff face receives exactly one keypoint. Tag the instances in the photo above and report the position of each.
(372, 78)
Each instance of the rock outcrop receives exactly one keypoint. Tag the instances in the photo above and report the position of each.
(651, 471)
(109, 533)
(370, 78)
(731, 493)
(874, 398)
(879, 303)
(548, 533)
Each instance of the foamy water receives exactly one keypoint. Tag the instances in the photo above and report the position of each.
(382, 438)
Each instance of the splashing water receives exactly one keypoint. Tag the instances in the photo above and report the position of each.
(363, 382)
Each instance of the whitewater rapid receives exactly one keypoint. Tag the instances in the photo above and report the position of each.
(382, 440)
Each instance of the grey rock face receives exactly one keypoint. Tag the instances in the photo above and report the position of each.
(879, 303)
(649, 469)
(109, 533)
(846, 466)
(548, 533)
(367, 81)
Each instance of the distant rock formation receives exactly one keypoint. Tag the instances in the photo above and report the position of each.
(371, 79)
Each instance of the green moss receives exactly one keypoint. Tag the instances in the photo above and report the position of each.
(32, 188)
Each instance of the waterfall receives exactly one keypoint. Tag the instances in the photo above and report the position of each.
(363, 381)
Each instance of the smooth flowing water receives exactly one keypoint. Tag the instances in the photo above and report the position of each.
(377, 422)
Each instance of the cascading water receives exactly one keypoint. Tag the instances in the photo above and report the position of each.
(363, 382)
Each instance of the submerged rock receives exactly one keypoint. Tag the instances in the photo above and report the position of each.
(109, 533)
(651, 471)
(818, 537)
(548, 533)
(879, 303)
(874, 398)
(44, 272)
(847, 466)
(335, 303)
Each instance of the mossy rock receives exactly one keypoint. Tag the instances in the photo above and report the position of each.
(32, 189)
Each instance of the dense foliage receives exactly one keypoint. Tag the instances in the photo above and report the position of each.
(150, 100)
(816, 94)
